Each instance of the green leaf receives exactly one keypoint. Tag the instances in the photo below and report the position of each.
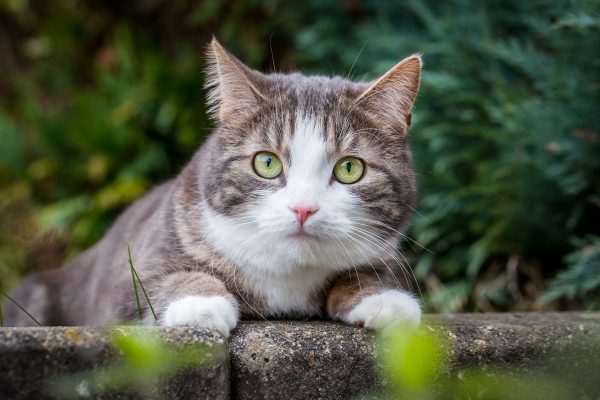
(413, 358)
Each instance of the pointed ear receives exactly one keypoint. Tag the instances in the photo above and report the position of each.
(391, 97)
(233, 88)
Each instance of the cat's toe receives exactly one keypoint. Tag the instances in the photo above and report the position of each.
(215, 312)
(392, 307)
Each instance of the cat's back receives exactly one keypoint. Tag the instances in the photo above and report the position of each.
(139, 227)
(142, 214)
(68, 295)
(99, 276)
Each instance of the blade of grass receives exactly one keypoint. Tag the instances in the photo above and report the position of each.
(141, 285)
(135, 289)
(21, 307)
(145, 293)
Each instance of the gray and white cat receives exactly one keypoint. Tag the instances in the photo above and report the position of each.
(292, 208)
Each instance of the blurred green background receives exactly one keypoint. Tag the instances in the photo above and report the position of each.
(99, 100)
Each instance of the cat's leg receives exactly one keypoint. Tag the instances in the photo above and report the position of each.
(362, 299)
(195, 299)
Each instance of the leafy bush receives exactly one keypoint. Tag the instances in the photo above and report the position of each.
(581, 277)
(421, 365)
(505, 137)
(101, 100)
(100, 104)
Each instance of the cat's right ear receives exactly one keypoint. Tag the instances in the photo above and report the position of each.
(233, 88)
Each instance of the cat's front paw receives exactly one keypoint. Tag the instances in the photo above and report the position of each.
(392, 307)
(215, 312)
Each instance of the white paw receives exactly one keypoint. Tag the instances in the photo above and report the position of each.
(214, 312)
(392, 307)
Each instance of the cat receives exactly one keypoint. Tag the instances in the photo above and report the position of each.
(292, 208)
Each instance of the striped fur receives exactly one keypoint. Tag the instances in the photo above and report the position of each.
(219, 241)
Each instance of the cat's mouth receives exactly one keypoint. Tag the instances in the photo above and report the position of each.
(301, 234)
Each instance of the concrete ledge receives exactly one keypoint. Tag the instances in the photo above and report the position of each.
(308, 360)
(517, 339)
(296, 360)
(32, 359)
(325, 360)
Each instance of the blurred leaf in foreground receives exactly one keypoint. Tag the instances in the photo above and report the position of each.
(145, 361)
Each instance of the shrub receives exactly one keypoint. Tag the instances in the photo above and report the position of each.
(103, 100)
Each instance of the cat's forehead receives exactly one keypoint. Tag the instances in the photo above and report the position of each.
(311, 92)
(330, 135)
(323, 109)
(297, 105)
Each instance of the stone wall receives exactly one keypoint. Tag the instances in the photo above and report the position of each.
(290, 359)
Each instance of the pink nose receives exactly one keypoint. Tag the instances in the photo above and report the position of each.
(303, 212)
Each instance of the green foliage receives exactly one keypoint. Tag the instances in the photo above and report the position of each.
(505, 136)
(418, 365)
(144, 361)
(413, 360)
(581, 278)
(101, 101)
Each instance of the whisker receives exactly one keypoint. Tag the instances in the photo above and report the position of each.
(364, 237)
(359, 242)
(242, 297)
(349, 75)
(353, 264)
(395, 230)
(395, 254)
(381, 230)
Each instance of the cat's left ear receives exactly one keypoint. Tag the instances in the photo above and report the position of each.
(390, 98)
(234, 90)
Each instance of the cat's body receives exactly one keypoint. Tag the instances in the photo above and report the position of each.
(222, 241)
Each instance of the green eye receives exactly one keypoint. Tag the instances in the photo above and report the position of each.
(267, 165)
(349, 170)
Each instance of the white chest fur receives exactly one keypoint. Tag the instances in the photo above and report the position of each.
(292, 293)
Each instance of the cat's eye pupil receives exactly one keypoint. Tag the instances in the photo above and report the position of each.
(349, 170)
(267, 165)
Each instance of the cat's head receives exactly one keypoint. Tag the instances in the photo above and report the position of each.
(307, 171)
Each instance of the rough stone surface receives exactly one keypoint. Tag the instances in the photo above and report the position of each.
(326, 360)
(516, 339)
(310, 359)
(551, 345)
(33, 359)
